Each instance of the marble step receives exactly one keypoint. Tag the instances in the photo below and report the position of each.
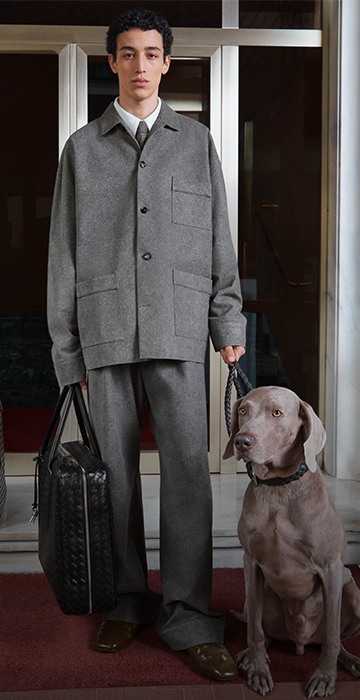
(18, 537)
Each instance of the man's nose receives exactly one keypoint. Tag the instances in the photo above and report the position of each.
(140, 65)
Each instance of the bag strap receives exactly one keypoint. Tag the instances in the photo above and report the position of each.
(68, 395)
(237, 377)
(55, 416)
(67, 403)
(85, 426)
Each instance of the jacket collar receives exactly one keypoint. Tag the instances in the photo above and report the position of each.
(111, 118)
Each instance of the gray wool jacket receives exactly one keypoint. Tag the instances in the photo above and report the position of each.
(141, 263)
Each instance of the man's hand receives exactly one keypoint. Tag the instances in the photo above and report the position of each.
(82, 384)
(231, 353)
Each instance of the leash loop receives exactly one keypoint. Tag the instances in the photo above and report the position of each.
(242, 385)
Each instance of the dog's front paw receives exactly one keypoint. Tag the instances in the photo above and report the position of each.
(321, 683)
(259, 679)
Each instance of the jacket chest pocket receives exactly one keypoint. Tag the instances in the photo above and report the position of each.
(191, 305)
(191, 203)
(99, 311)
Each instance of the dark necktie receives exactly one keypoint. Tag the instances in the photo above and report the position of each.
(142, 133)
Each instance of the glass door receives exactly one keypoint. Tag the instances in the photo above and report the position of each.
(29, 149)
(280, 214)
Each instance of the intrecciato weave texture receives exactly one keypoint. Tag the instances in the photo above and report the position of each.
(75, 530)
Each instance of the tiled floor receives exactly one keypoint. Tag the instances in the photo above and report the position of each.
(345, 690)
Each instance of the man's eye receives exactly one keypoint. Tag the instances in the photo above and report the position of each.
(242, 411)
(276, 414)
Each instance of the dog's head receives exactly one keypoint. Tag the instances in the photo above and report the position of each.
(269, 423)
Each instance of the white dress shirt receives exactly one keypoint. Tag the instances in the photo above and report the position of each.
(132, 122)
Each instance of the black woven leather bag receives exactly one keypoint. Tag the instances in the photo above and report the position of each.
(75, 517)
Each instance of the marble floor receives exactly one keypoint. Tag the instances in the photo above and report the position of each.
(18, 537)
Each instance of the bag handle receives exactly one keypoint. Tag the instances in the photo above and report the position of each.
(55, 416)
(85, 426)
(67, 403)
(73, 393)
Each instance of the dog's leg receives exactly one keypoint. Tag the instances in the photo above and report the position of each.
(255, 658)
(322, 682)
(351, 662)
(350, 607)
(242, 658)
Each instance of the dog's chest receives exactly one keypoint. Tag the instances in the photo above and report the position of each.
(282, 550)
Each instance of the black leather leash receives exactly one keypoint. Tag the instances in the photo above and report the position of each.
(237, 377)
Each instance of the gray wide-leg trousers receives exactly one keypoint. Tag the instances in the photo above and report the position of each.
(175, 393)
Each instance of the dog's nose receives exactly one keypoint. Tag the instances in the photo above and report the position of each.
(243, 442)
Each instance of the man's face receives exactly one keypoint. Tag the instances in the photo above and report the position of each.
(139, 64)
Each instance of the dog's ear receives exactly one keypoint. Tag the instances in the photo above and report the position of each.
(229, 449)
(314, 433)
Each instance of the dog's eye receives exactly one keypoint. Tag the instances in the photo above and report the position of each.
(242, 411)
(276, 414)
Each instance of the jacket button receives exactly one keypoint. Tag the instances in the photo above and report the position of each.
(142, 164)
(144, 210)
(147, 256)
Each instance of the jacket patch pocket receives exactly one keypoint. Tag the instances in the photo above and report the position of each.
(191, 203)
(99, 311)
(191, 304)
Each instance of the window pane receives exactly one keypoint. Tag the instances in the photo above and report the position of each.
(280, 14)
(29, 145)
(279, 218)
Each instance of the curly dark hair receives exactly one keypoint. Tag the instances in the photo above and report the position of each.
(141, 19)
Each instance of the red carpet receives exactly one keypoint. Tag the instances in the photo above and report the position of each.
(40, 648)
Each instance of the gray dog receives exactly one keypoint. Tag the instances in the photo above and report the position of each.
(297, 587)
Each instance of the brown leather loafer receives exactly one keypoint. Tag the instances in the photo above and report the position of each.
(116, 634)
(214, 660)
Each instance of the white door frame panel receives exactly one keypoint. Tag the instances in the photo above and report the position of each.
(73, 44)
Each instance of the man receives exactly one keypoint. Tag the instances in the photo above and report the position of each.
(141, 265)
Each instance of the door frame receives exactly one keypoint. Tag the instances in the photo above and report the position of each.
(73, 44)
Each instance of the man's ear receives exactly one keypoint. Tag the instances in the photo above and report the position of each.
(166, 65)
(112, 63)
(315, 434)
(229, 449)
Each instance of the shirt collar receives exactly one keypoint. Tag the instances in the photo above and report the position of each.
(111, 118)
(132, 122)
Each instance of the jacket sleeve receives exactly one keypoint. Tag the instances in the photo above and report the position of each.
(61, 298)
(226, 322)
